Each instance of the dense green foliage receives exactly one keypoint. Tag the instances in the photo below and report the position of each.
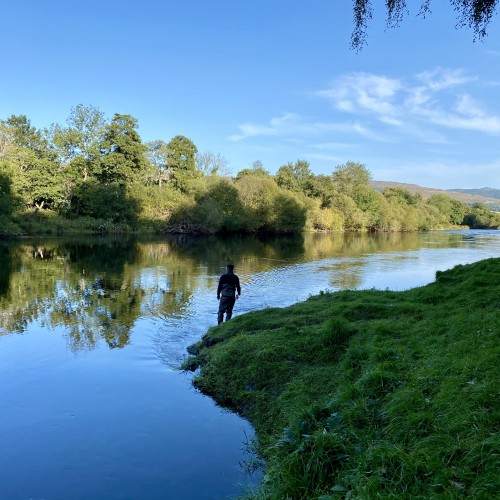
(97, 174)
(479, 216)
(370, 394)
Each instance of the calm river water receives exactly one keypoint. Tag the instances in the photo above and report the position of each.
(92, 332)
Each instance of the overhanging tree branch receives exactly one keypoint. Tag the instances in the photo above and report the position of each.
(473, 14)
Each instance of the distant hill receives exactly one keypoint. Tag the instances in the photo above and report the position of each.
(467, 196)
(486, 192)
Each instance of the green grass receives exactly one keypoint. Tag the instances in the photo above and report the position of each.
(370, 394)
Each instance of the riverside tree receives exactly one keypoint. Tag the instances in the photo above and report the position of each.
(295, 176)
(157, 154)
(122, 162)
(78, 143)
(452, 210)
(122, 150)
(349, 176)
(35, 173)
(181, 153)
(8, 200)
(480, 217)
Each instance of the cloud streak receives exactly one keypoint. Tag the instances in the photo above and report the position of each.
(384, 109)
(363, 91)
(435, 98)
(291, 125)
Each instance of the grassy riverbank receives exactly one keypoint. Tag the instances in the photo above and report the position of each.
(370, 394)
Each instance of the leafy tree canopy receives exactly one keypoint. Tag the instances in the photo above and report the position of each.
(157, 154)
(181, 153)
(32, 165)
(294, 176)
(454, 210)
(482, 218)
(473, 14)
(8, 200)
(122, 150)
(257, 169)
(25, 135)
(402, 195)
(83, 133)
(349, 176)
(79, 142)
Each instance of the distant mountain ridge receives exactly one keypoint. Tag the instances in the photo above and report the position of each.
(468, 196)
(487, 192)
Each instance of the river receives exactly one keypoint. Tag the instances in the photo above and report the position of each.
(92, 333)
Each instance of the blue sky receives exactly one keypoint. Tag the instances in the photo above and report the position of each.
(271, 80)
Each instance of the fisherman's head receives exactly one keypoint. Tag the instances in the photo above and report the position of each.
(230, 267)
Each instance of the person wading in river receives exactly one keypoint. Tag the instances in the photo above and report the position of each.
(227, 292)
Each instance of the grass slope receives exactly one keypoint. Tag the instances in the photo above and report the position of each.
(370, 394)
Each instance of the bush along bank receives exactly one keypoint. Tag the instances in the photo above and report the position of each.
(369, 394)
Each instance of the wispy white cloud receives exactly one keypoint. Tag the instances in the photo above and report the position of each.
(391, 121)
(276, 126)
(363, 91)
(444, 78)
(468, 106)
(416, 96)
(465, 113)
(292, 127)
(436, 98)
(368, 133)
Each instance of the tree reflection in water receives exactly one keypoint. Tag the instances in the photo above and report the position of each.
(97, 289)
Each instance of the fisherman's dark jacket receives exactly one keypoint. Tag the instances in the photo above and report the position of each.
(229, 284)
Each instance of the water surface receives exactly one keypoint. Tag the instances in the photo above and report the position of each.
(92, 332)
